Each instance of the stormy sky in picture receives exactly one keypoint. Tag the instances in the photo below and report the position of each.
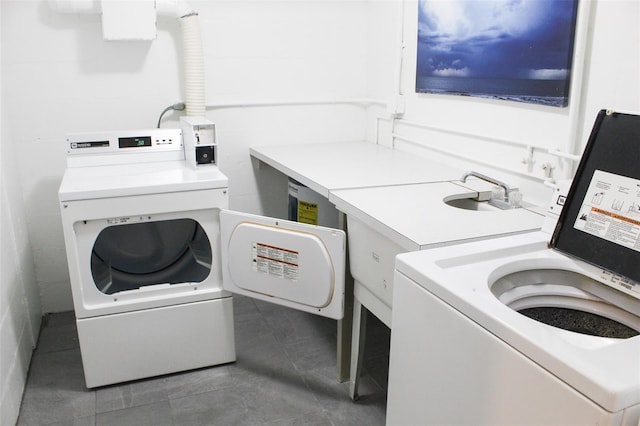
(518, 50)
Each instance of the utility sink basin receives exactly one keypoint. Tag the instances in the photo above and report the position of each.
(470, 204)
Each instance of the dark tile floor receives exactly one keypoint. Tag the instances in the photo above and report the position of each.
(285, 374)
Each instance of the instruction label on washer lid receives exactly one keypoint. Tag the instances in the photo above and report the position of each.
(275, 261)
(611, 209)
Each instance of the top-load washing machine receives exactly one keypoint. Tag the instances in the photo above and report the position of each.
(154, 256)
(534, 328)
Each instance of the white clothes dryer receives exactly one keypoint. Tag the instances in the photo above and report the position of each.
(154, 255)
(518, 330)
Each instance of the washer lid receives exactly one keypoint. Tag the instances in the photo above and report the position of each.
(600, 221)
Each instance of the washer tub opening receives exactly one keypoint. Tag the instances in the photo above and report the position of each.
(570, 301)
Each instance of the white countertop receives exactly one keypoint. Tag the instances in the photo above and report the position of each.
(324, 167)
(416, 217)
(121, 180)
(398, 194)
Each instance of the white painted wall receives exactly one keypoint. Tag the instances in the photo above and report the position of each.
(20, 311)
(612, 76)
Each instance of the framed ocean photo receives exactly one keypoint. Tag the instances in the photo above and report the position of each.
(516, 50)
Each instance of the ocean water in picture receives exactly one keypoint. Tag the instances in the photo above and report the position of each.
(544, 92)
(516, 50)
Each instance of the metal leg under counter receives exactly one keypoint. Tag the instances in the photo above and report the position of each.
(344, 345)
(363, 301)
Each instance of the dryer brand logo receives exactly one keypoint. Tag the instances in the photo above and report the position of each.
(96, 144)
(127, 219)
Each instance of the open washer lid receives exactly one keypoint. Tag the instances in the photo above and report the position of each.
(600, 221)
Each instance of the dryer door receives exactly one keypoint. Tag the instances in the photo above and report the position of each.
(287, 263)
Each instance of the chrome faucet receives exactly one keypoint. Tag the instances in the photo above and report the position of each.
(486, 178)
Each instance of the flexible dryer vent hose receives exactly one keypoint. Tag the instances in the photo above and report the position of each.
(193, 65)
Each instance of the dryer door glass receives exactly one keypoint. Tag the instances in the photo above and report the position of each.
(132, 256)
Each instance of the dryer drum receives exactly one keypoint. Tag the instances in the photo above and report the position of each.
(131, 256)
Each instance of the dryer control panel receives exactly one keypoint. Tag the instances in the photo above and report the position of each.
(123, 147)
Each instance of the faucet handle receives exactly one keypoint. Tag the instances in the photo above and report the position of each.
(498, 193)
(515, 199)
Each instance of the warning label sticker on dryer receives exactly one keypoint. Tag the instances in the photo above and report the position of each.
(611, 209)
(275, 261)
(307, 212)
